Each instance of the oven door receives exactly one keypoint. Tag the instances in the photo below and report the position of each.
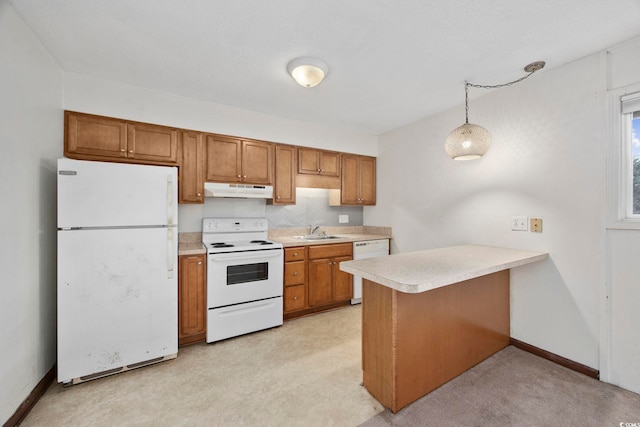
(237, 277)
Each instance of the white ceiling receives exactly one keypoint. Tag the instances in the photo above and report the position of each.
(391, 62)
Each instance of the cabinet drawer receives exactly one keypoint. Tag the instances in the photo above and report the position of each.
(328, 251)
(294, 273)
(294, 254)
(294, 298)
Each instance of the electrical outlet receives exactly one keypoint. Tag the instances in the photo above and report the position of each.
(343, 219)
(536, 225)
(519, 223)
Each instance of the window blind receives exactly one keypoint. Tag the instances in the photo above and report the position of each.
(630, 103)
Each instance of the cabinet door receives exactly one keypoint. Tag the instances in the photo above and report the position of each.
(342, 282)
(285, 177)
(320, 278)
(192, 299)
(308, 161)
(257, 158)
(191, 167)
(329, 163)
(294, 298)
(367, 178)
(349, 194)
(223, 159)
(94, 136)
(152, 143)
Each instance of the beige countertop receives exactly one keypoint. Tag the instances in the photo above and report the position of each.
(190, 243)
(344, 234)
(191, 248)
(415, 272)
(291, 241)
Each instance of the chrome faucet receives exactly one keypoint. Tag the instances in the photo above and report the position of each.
(313, 229)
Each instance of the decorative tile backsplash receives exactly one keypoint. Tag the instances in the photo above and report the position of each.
(311, 208)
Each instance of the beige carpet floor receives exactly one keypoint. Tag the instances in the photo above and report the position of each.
(307, 373)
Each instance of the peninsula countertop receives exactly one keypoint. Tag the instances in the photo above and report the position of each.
(420, 271)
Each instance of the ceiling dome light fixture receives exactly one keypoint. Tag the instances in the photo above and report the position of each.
(469, 141)
(308, 72)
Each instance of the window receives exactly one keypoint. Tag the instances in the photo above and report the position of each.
(631, 143)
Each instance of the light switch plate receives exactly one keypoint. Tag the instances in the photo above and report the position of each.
(519, 223)
(536, 225)
(343, 219)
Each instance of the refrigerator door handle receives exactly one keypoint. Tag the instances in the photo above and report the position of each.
(170, 252)
(170, 200)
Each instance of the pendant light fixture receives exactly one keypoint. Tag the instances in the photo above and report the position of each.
(308, 72)
(469, 141)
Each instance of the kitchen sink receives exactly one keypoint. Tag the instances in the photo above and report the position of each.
(315, 237)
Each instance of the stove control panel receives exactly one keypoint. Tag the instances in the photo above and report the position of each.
(230, 225)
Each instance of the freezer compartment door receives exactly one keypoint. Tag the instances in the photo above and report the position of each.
(117, 299)
(102, 194)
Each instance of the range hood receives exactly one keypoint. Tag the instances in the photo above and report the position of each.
(247, 191)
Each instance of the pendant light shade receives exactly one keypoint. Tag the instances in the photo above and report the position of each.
(467, 142)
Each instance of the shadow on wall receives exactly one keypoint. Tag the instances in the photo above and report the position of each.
(312, 207)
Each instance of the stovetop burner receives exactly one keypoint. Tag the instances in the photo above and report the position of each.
(221, 245)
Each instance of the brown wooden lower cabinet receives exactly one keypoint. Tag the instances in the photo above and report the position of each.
(313, 280)
(192, 299)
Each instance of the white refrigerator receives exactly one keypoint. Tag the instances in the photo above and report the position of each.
(117, 267)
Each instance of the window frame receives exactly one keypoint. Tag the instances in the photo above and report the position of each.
(620, 169)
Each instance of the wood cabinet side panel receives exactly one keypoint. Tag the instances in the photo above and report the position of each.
(446, 331)
(378, 346)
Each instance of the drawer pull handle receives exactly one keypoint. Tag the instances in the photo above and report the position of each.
(295, 254)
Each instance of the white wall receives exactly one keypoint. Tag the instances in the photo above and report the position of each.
(620, 339)
(31, 134)
(95, 96)
(547, 160)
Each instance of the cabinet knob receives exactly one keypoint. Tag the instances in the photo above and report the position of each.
(131, 151)
(278, 197)
(239, 176)
(199, 194)
(295, 298)
(123, 150)
(295, 273)
(199, 262)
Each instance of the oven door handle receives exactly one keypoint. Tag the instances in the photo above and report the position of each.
(240, 256)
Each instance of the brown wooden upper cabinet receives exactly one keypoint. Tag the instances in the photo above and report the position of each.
(318, 162)
(89, 137)
(358, 180)
(238, 160)
(191, 162)
(284, 191)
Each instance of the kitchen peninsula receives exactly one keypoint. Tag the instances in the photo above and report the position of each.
(430, 315)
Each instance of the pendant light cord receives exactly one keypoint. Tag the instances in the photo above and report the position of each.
(530, 69)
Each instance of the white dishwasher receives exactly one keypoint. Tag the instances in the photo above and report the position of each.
(362, 250)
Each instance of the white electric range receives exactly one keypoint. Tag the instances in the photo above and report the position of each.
(244, 277)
